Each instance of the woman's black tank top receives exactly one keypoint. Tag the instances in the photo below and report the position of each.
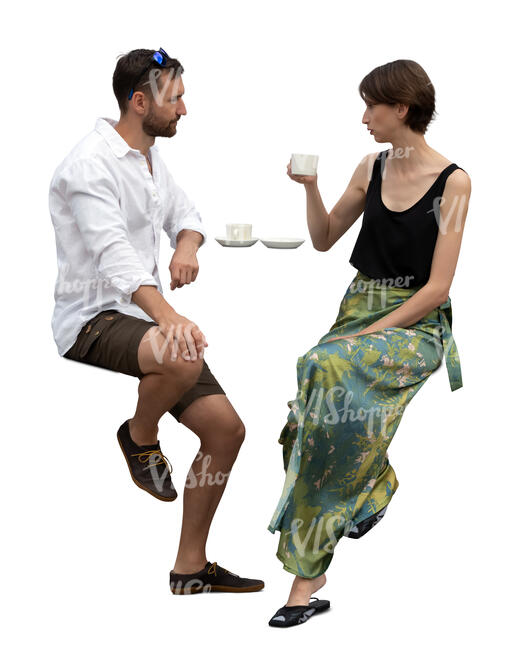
(398, 246)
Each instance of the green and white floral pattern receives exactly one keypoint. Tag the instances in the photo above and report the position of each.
(351, 396)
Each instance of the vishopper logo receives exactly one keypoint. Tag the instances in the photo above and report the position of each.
(199, 479)
(330, 415)
(378, 287)
(82, 285)
(170, 341)
(400, 152)
(318, 530)
(157, 462)
(154, 74)
(194, 585)
(458, 204)
(391, 154)
(97, 290)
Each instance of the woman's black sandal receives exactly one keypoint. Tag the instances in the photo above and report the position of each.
(296, 614)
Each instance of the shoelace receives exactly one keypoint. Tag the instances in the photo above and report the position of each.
(213, 569)
(144, 456)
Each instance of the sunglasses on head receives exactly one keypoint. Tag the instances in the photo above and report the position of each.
(160, 57)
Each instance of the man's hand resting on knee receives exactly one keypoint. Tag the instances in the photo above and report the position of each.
(182, 335)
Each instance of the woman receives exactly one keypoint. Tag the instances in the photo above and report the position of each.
(393, 326)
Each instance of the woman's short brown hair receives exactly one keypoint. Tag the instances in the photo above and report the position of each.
(402, 82)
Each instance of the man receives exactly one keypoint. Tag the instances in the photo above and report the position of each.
(109, 200)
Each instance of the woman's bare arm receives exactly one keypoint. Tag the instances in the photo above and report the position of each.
(325, 229)
(451, 220)
(352, 203)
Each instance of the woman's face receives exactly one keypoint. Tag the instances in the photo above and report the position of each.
(381, 120)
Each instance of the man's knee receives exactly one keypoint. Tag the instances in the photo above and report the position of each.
(234, 434)
(155, 356)
(186, 372)
(239, 433)
(231, 434)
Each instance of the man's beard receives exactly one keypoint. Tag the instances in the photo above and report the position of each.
(154, 128)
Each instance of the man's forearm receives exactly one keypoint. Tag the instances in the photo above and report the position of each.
(151, 301)
(189, 239)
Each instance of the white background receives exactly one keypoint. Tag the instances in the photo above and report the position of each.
(86, 554)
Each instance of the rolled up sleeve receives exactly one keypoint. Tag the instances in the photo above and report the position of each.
(181, 215)
(93, 199)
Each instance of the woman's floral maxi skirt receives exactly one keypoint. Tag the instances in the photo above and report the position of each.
(351, 397)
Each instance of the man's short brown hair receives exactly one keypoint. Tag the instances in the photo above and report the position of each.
(129, 67)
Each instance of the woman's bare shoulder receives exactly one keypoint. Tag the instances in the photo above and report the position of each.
(442, 162)
(363, 172)
(460, 180)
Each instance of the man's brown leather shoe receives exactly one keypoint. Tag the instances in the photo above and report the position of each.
(211, 578)
(149, 468)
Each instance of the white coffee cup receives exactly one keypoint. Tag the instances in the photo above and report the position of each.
(304, 164)
(239, 231)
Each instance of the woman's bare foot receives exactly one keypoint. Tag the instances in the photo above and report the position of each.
(303, 588)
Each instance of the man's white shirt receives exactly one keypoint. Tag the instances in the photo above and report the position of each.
(108, 213)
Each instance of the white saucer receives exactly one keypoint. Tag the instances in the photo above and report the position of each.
(282, 242)
(236, 242)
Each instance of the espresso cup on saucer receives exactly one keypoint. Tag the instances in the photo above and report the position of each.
(239, 231)
(304, 164)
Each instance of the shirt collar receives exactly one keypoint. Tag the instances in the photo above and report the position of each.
(120, 147)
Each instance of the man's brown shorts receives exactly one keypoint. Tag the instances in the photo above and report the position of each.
(111, 340)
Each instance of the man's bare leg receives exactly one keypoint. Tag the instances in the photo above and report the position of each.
(214, 420)
(164, 383)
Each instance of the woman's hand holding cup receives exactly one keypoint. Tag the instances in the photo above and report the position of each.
(299, 178)
(305, 169)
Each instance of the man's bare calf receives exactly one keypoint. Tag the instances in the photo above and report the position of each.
(163, 384)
